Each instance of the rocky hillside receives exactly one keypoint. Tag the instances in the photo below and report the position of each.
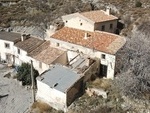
(31, 16)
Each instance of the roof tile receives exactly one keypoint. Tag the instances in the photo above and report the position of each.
(98, 40)
(48, 55)
(29, 44)
(98, 16)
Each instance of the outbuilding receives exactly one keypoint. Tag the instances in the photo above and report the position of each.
(59, 87)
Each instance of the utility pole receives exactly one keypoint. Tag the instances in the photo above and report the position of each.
(33, 84)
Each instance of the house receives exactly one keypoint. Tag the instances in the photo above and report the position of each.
(45, 55)
(16, 49)
(92, 21)
(24, 47)
(40, 52)
(7, 42)
(96, 44)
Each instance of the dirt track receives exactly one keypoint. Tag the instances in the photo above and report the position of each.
(14, 98)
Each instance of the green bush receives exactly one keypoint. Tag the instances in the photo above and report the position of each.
(24, 74)
(138, 4)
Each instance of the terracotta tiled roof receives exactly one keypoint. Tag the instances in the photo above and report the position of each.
(48, 55)
(98, 16)
(29, 44)
(98, 40)
(39, 49)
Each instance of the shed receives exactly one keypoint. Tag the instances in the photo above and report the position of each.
(59, 87)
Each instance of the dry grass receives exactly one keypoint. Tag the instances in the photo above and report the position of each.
(41, 107)
(101, 83)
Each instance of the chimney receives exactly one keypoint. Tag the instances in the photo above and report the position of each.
(23, 37)
(108, 11)
(86, 36)
(27, 36)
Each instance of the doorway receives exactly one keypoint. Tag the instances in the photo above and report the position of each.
(103, 70)
(8, 58)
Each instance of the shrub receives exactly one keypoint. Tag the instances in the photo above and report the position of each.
(24, 73)
(138, 4)
(134, 80)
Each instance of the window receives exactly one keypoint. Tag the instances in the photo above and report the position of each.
(111, 26)
(103, 28)
(18, 51)
(57, 44)
(7, 45)
(103, 56)
(40, 64)
(80, 24)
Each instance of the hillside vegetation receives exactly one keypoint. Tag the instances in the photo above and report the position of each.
(45, 12)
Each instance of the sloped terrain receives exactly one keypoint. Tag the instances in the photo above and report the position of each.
(133, 66)
(42, 13)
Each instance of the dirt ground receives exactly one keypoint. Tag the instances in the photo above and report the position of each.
(14, 98)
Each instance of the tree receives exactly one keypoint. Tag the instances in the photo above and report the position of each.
(134, 74)
(24, 74)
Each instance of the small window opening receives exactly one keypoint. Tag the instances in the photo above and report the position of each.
(18, 51)
(103, 28)
(103, 56)
(57, 44)
(7, 45)
(111, 26)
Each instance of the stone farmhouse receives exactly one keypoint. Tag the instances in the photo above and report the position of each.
(86, 34)
(92, 21)
(84, 47)
(81, 35)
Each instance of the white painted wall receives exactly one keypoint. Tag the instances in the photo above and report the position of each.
(37, 67)
(62, 59)
(4, 51)
(22, 57)
(71, 55)
(51, 96)
(109, 61)
(76, 23)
